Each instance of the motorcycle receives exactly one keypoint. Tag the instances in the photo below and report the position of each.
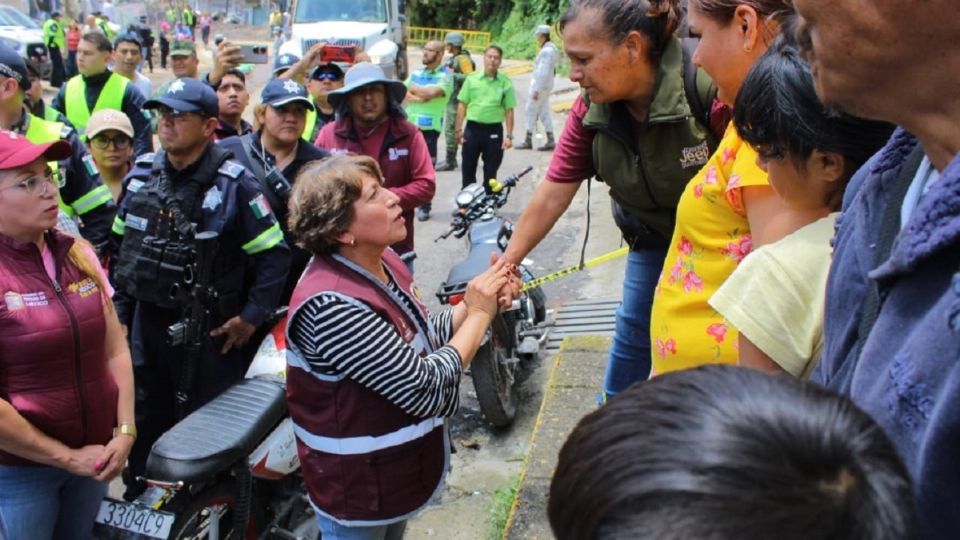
(228, 470)
(516, 334)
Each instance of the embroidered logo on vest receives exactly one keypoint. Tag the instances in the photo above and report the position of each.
(397, 153)
(14, 301)
(85, 287)
(695, 156)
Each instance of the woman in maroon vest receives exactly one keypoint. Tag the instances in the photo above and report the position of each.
(369, 379)
(66, 384)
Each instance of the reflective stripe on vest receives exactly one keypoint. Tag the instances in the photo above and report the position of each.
(346, 446)
(265, 240)
(111, 97)
(310, 125)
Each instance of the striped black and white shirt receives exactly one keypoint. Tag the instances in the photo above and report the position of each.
(337, 337)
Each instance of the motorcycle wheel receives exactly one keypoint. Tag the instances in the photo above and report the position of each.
(211, 508)
(493, 377)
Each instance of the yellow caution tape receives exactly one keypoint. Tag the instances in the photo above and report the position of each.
(573, 269)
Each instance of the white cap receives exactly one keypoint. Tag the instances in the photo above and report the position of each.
(543, 29)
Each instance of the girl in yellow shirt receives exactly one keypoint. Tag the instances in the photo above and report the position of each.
(728, 207)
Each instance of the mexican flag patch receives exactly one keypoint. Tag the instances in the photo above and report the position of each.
(260, 206)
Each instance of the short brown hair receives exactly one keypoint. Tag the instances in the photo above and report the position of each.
(321, 205)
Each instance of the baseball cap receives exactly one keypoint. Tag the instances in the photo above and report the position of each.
(12, 65)
(278, 93)
(327, 68)
(188, 95)
(17, 151)
(284, 62)
(106, 119)
(542, 30)
(183, 48)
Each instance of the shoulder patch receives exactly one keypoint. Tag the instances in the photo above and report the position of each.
(66, 132)
(232, 169)
(90, 166)
(145, 160)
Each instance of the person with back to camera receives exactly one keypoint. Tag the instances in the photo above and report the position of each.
(780, 459)
(728, 207)
(66, 390)
(892, 323)
(370, 374)
(276, 148)
(641, 126)
(775, 297)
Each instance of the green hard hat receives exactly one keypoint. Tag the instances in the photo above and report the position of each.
(454, 38)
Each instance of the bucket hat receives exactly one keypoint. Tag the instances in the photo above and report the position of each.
(364, 74)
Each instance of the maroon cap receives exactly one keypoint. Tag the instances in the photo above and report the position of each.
(17, 151)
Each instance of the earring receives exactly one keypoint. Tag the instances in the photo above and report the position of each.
(747, 48)
(353, 241)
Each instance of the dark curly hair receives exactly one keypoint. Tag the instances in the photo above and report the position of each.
(321, 204)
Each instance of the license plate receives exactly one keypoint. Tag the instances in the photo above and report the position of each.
(124, 520)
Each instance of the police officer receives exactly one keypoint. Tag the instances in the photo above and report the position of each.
(55, 38)
(191, 186)
(83, 195)
(96, 87)
(460, 64)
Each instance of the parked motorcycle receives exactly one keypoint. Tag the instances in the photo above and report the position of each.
(228, 470)
(516, 334)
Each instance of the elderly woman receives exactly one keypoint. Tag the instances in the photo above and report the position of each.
(276, 153)
(369, 379)
(66, 384)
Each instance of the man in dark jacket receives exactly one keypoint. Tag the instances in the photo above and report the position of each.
(371, 122)
(892, 318)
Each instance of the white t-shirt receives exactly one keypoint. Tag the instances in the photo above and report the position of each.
(926, 176)
(776, 297)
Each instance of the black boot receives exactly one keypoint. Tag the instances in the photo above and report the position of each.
(527, 143)
(549, 145)
(449, 164)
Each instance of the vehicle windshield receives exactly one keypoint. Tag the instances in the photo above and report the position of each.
(12, 17)
(341, 10)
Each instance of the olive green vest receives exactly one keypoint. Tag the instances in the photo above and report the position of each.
(647, 166)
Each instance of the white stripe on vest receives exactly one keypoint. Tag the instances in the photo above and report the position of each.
(361, 445)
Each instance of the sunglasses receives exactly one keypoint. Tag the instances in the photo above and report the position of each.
(326, 76)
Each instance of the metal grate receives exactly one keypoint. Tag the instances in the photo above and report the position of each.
(343, 42)
(583, 317)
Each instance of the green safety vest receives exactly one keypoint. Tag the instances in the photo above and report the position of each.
(171, 16)
(40, 131)
(53, 35)
(50, 114)
(310, 125)
(75, 99)
(188, 17)
(107, 30)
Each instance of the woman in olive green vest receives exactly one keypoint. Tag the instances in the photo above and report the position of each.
(640, 126)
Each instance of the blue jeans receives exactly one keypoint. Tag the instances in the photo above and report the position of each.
(40, 503)
(331, 530)
(629, 358)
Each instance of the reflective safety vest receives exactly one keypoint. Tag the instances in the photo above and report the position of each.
(40, 131)
(107, 29)
(53, 35)
(310, 126)
(75, 99)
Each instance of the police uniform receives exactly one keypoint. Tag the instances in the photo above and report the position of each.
(249, 271)
(83, 194)
(55, 39)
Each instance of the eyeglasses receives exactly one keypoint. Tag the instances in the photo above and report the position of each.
(120, 142)
(171, 114)
(326, 77)
(36, 185)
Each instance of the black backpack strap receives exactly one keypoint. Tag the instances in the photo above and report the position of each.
(889, 230)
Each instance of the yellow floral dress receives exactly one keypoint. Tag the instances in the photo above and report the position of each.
(712, 236)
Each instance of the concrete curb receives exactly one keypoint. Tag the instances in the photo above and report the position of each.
(570, 394)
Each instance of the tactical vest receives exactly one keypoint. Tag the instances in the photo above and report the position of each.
(364, 460)
(156, 252)
(453, 64)
(648, 169)
(75, 99)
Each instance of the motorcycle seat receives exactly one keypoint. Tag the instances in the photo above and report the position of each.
(218, 434)
(473, 265)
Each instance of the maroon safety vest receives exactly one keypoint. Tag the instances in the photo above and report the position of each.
(53, 362)
(365, 461)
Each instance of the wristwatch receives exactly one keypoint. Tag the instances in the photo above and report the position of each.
(510, 136)
(125, 428)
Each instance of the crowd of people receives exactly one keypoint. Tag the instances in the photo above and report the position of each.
(785, 179)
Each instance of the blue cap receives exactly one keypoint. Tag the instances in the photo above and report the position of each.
(13, 66)
(188, 95)
(280, 92)
(284, 62)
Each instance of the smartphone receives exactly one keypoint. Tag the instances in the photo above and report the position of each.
(339, 53)
(254, 54)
